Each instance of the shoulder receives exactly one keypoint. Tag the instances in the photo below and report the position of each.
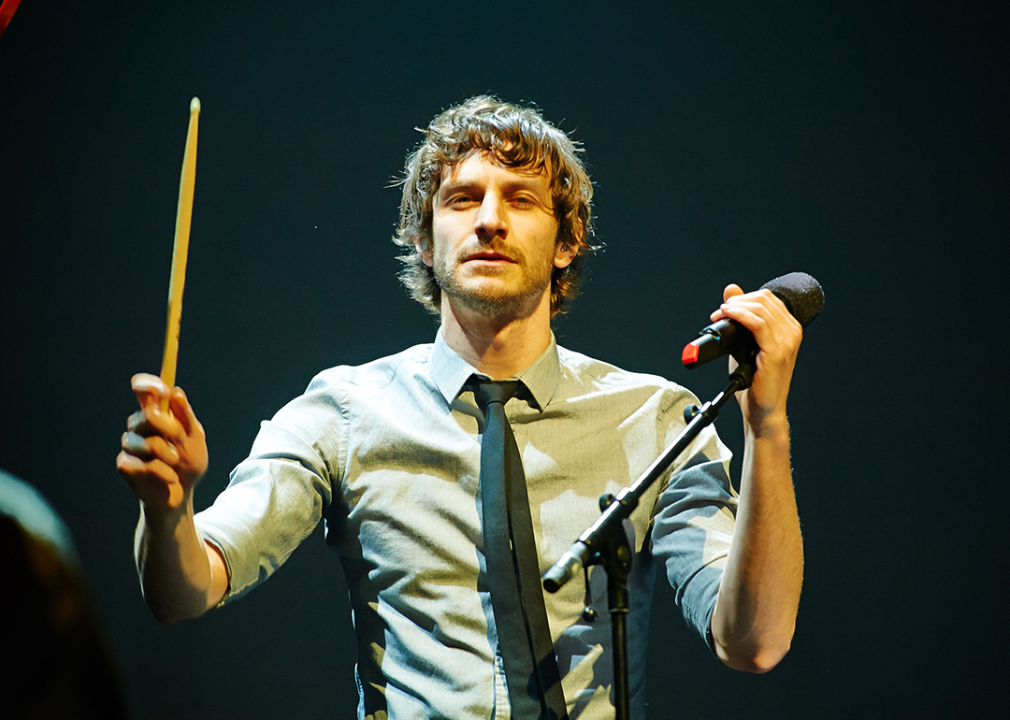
(584, 374)
(337, 390)
(374, 375)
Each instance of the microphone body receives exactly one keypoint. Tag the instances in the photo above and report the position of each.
(803, 298)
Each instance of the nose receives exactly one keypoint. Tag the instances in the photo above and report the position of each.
(491, 220)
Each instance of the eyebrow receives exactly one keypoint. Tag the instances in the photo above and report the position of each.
(511, 185)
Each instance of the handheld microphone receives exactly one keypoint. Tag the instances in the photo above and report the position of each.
(802, 296)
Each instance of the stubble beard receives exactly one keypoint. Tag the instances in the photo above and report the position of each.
(495, 299)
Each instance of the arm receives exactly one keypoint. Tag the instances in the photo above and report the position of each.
(164, 456)
(755, 614)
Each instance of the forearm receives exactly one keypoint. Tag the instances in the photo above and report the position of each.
(755, 614)
(182, 576)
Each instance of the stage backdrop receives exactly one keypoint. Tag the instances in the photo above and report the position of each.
(864, 143)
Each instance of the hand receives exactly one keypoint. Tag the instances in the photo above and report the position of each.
(164, 455)
(778, 335)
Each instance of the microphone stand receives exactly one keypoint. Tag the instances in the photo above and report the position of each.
(605, 542)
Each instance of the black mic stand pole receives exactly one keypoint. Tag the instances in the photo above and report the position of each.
(606, 543)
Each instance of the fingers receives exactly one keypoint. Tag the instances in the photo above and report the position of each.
(150, 448)
(179, 422)
(730, 291)
(147, 456)
(755, 316)
(152, 421)
(756, 311)
(183, 412)
(164, 454)
(135, 470)
(778, 335)
(154, 483)
(175, 438)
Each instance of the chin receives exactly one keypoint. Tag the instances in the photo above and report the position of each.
(488, 292)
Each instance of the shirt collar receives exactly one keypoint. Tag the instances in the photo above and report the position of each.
(544, 375)
(447, 369)
(450, 372)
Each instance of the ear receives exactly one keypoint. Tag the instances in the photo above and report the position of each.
(564, 255)
(423, 248)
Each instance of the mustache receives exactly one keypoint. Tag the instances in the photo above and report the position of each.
(495, 246)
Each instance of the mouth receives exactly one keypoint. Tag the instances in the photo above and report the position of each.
(488, 256)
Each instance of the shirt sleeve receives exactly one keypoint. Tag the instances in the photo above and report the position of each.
(693, 523)
(276, 497)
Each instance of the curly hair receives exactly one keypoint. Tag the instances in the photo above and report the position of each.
(515, 137)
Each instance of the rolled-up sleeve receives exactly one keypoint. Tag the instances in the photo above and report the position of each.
(277, 496)
(693, 524)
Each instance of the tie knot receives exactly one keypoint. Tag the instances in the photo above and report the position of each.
(492, 391)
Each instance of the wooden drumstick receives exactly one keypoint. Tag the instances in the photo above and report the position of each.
(182, 223)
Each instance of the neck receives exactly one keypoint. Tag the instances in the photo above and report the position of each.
(497, 346)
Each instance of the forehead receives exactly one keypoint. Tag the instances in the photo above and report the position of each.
(482, 168)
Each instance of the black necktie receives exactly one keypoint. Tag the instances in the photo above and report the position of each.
(513, 568)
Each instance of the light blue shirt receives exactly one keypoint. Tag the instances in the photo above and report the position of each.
(388, 455)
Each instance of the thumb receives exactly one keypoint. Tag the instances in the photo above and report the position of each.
(148, 388)
(731, 290)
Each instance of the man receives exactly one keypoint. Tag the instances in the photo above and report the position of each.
(496, 219)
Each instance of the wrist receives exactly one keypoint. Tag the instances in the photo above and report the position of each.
(166, 518)
(772, 427)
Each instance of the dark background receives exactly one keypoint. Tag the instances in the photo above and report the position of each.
(862, 142)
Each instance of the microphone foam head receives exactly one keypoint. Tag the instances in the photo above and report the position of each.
(803, 296)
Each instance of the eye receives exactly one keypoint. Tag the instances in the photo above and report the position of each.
(525, 201)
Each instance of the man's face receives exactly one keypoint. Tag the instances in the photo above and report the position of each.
(494, 238)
